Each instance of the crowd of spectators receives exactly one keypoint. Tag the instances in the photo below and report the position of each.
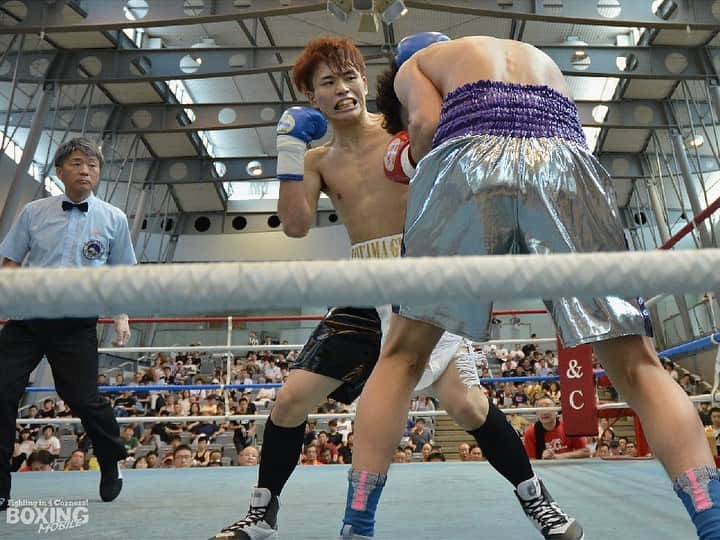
(190, 442)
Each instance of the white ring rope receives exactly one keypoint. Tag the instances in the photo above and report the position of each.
(325, 416)
(199, 288)
(285, 347)
(202, 348)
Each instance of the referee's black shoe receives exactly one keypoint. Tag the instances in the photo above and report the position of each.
(110, 481)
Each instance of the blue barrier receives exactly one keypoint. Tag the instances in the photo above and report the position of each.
(693, 346)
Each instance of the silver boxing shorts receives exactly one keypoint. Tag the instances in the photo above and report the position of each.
(510, 172)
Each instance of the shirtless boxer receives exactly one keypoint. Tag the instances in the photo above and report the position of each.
(503, 167)
(342, 351)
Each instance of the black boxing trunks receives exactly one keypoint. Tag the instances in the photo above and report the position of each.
(344, 346)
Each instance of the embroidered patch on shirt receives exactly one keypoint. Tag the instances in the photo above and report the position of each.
(93, 249)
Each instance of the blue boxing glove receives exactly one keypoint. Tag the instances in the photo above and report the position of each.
(296, 128)
(409, 45)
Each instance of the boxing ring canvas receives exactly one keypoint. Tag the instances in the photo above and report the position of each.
(628, 500)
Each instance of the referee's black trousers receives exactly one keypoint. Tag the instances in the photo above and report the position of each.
(71, 349)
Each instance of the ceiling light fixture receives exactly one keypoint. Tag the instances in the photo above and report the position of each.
(391, 10)
(695, 141)
(254, 168)
(340, 9)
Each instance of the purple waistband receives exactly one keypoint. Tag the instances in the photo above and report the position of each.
(516, 110)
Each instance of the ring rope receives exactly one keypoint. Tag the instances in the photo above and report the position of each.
(324, 416)
(178, 288)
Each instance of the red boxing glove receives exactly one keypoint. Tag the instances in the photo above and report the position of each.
(398, 163)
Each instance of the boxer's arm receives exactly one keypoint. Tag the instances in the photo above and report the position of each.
(298, 200)
(423, 101)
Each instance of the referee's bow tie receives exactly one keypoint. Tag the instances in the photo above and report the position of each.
(67, 205)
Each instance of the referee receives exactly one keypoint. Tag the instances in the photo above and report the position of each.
(75, 229)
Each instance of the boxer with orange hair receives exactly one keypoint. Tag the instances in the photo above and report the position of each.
(343, 349)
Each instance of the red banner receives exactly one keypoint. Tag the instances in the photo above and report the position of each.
(577, 391)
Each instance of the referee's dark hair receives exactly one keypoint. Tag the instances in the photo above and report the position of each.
(79, 144)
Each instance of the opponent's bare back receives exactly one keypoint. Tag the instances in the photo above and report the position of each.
(451, 64)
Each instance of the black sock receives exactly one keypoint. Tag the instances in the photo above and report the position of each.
(279, 455)
(502, 447)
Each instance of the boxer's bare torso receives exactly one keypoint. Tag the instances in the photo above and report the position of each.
(352, 176)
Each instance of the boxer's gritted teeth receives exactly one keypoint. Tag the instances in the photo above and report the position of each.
(344, 103)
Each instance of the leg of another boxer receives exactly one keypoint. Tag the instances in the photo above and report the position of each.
(466, 403)
(671, 424)
(285, 429)
(381, 416)
(282, 444)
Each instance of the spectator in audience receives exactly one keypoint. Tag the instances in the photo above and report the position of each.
(506, 400)
(265, 395)
(40, 460)
(216, 458)
(326, 457)
(102, 380)
(508, 366)
(210, 408)
(48, 409)
(399, 455)
(49, 441)
(310, 434)
(686, 384)
(311, 456)
(419, 435)
(602, 449)
(272, 371)
(546, 438)
(252, 339)
(202, 454)
(554, 391)
(345, 450)
(62, 409)
(476, 453)
(249, 456)
(614, 446)
(182, 457)
(152, 459)
(129, 440)
(704, 412)
(324, 444)
(608, 435)
(542, 369)
(436, 456)
(33, 412)
(119, 380)
(521, 398)
(184, 402)
(631, 449)
(76, 461)
(426, 450)
(715, 425)
(670, 368)
(333, 435)
(26, 444)
(464, 451)
(408, 454)
(141, 463)
(622, 444)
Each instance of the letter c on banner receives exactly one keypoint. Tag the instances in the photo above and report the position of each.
(572, 399)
